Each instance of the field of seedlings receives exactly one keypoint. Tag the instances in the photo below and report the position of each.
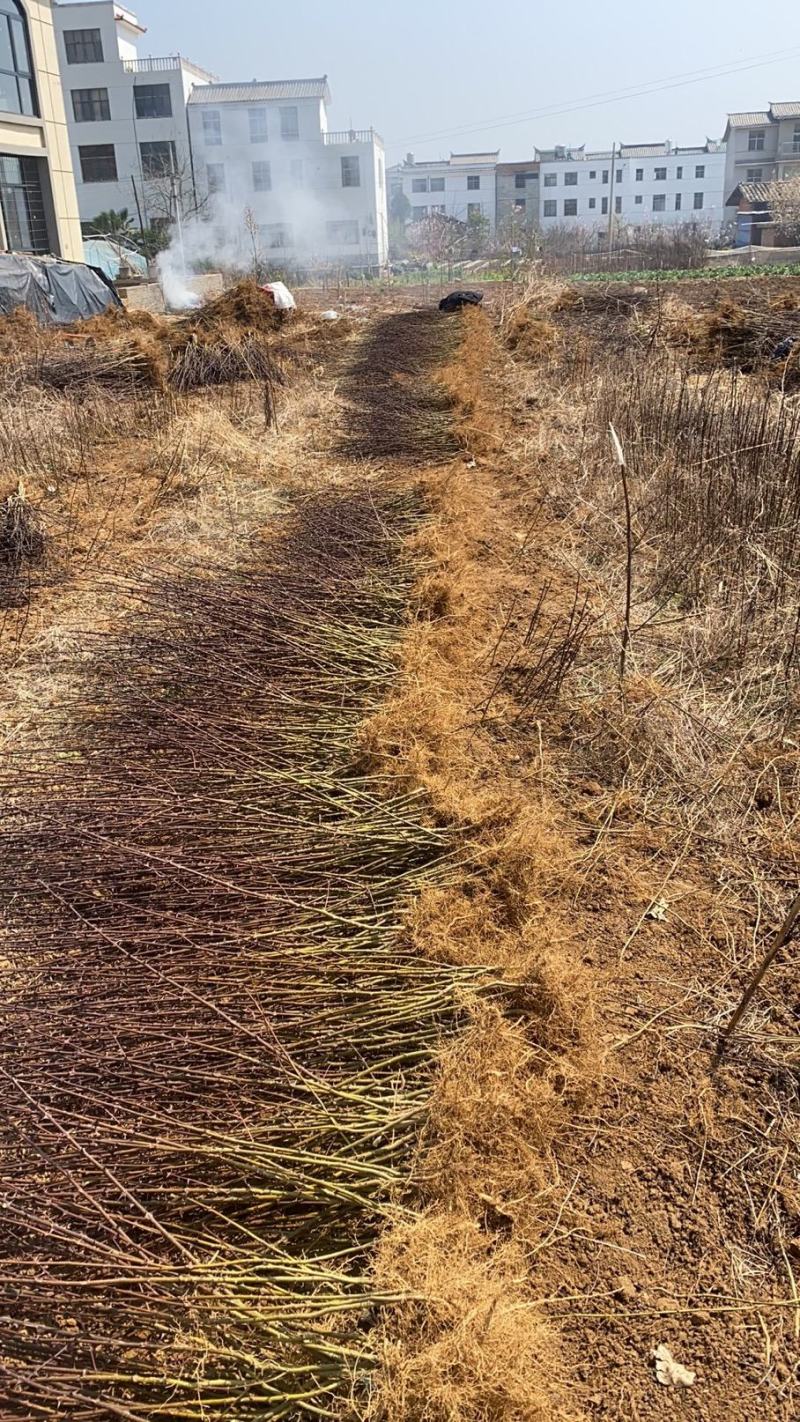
(400, 788)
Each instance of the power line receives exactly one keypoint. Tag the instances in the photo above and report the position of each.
(608, 96)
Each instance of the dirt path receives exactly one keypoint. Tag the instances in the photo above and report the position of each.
(217, 1052)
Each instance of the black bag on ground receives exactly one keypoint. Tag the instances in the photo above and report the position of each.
(457, 299)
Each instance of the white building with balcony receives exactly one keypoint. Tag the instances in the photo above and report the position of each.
(763, 146)
(276, 175)
(463, 186)
(634, 185)
(126, 115)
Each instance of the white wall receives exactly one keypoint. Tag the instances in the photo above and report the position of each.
(628, 188)
(457, 197)
(307, 191)
(124, 130)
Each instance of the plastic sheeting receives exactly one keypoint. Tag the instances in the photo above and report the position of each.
(56, 292)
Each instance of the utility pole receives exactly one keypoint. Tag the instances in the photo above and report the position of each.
(611, 200)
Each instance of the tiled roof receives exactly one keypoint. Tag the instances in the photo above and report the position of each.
(471, 159)
(644, 150)
(269, 89)
(748, 120)
(774, 193)
(784, 111)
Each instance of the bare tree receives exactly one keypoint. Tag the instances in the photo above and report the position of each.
(170, 192)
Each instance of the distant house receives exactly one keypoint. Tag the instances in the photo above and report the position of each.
(635, 184)
(126, 115)
(463, 186)
(265, 149)
(767, 213)
(762, 145)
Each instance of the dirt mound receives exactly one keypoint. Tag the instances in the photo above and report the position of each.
(243, 305)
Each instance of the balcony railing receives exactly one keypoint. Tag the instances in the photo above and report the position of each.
(354, 135)
(159, 63)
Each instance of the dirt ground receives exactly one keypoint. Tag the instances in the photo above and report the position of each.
(589, 1183)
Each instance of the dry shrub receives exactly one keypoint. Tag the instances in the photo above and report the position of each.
(529, 336)
(242, 305)
(467, 1343)
(22, 544)
(746, 334)
(479, 422)
(20, 332)
(505, 1091)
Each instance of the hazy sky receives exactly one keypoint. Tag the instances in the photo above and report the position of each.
(434, 76)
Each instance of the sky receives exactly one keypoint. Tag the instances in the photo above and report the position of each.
(481, 74)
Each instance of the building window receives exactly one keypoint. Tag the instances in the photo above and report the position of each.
(381, 178)
(618, 204)
(158, 159)
(698, 201)
(90, 105)
(351, 172)
(754, 175)
(83, 46)
(550, 207)
(22, 204)
(290, 122)
(277, 234)
(638, 199)
(520, 180)
(437, 185)
(212, 127)
(17, 94)
(257, 119)
(474, 209)
(343, 234)
(679, 172)
(570, 180)
(592, 172)
(640, 175)
(570, 207)
(677, 202)
(296, 172)
(419, 185)
(519, 204)
(619, 175)
(593, 202)
(700, 170)
(660, 202)
(473, 182)
(605, 175)
(215, 177)
(437, 208)
(550, 180)
(604, 206)
(796, 139)
(98, 163)
(755, 140)
(419, 213)
(262, 178)
(152, 101)
(660, 175)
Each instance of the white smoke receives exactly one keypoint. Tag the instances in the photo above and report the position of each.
(236, 236)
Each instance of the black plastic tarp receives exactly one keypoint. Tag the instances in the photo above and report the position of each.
(56, 292)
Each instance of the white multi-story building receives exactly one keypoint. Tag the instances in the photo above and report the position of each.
(635, 184)
(126, 115)
(463, 186)
(762, 146)
(38, 207)
(265, 156)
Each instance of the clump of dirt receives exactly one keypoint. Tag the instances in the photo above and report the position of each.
(529, 336)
